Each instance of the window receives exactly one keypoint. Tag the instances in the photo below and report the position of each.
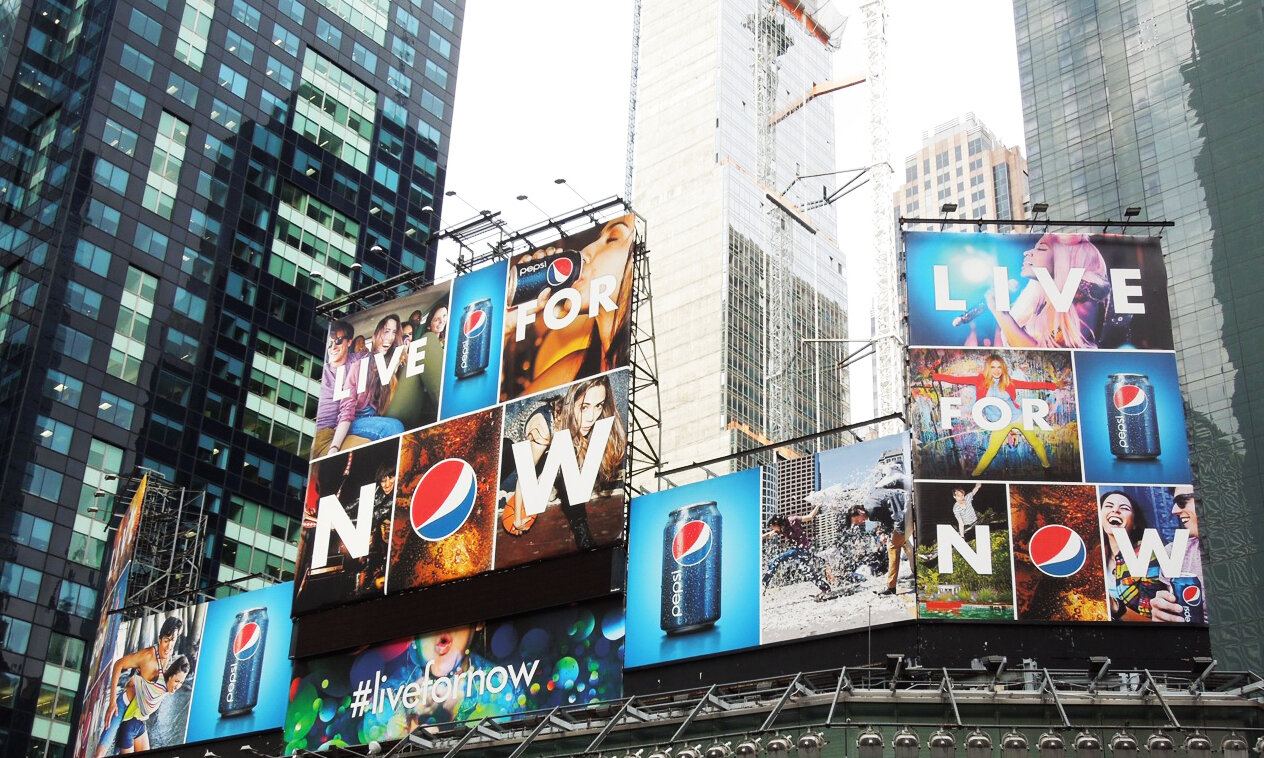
(182, 89)
(407, 20)
(220, 408)
(444, 16)
(240, 47)
(15, 634)
(440, 45)
(403, 50)
(367, 60)
(432, 104)
(31, 531)
(53, 434)
(145, 27)
(285, 39)
(294, 9)
(280, 73)
(233, 80)
(128, 99)
(83, 299)
(20, 581)
(66, 652)
(151, 241)
(63, 388)
(137, 62)
(73, 343)
(436, 74)
(76, 599)
(115, 410)
(110, 176)
(180, 346)
(221, 114)
(329, 33)
(103, 216)
(402, 84)
(246, 13)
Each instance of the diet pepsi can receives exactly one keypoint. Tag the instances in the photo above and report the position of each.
(1189, 593)
(691, 568)
(1132, 421)
(552, 272)
(474, 347)
(243, 666)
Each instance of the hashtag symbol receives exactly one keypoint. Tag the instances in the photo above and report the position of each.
(361, 698)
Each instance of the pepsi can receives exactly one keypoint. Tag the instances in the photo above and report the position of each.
(474, 347)
(691, 568)
(1131, 417)
(1189, 593)
(554, 272)
(243, 666)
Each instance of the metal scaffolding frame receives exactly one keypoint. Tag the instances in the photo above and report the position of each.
(170, 544)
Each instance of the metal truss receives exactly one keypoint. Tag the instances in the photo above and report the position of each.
(645, 431)
(736, 717)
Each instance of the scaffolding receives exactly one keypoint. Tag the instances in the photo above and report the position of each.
(170, 545)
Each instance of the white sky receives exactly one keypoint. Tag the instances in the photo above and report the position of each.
(542, 94)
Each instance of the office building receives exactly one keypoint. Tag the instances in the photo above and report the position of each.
(181, 183)
(733, 170)
(963, 163)
(1156, 106)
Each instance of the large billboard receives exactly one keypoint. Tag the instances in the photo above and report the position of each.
(564, 656)
(473, 425)
(226, 661)
(809, 546)
(1049, 443)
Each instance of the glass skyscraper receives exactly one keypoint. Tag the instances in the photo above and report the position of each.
(1159, 104)
(182, 182)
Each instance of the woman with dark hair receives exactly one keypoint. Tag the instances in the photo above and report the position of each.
(585, 405)
(148, 666)
(368, 389)
(1147, 597)
(996, 382)
(133, 734)
(436, 321)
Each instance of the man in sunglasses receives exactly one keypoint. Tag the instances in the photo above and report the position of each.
(338, 351)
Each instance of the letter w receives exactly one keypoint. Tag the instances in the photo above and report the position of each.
(561, 457)
(330, 515)
(1151, 548)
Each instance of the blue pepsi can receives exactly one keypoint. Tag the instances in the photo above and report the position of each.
(243, 666)
(552, 272)
(1189, 593)
(474, 347)
(691, 568)
(1132, 420)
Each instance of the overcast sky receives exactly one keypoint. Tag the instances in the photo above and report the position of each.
(542, 94)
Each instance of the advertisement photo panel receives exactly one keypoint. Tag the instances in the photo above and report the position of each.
(1132, 418)
(347, 515)
(250, 633)
(471, 376)
(1153, 554)
(383, 371)
(1057, 553)
(834, 560)
(993, 415)
(693, 569)
(963, 551)
(563, 469)
(568, 309)
(533, 662)
(444, 525)
(1069, 291)
(148, 687)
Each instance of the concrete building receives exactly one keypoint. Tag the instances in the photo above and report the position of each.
(181, 183)
(962, 162)
(1156, 106)
(734, 157)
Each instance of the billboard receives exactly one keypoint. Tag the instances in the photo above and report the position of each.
(1049, 441)
(114, 597)
(473, 425)
(225, 661)
(542, 660)
(811, 539)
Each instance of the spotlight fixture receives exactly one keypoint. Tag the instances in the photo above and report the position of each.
(687, 751)
(719, 750)
(1038, 208)
(1160, 743)
(778, 746)
(1013, 744)
(1132, 211)
(1234, 747)
(374, 747)
(747, 747)
(869, 743)
(942, 744)
(978, 744)
(1198, 746)
(905, 743)
(1051, 745)
(662, 753)
(1087, 745)
(948, 208)
(811, 743)
(1124, 743)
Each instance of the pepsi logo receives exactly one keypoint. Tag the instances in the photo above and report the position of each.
(1192, 595)
(247, 641)
(691, 543)
(559, 271)
(443, 499)
(1130, 399)
(1056, 550)
(475, 323)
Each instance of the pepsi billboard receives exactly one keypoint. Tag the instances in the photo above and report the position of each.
(538, 661)
(226, 661)
(770, 554)
(1049, 443)
(474, 425)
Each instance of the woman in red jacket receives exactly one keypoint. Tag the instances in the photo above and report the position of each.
(995, 382)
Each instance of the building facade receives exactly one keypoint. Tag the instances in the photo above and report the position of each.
(181, 184)
(1156, 105)
(734, 157)
(963, 163)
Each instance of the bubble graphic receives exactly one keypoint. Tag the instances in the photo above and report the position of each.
(612, 625)
(504, 640)
(584, 624)
(566, 671)
(536, 644)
